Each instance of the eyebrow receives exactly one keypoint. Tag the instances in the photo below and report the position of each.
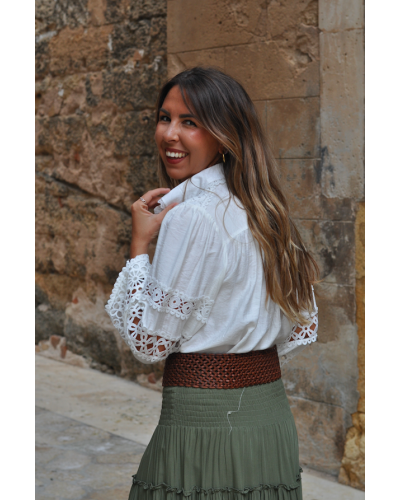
(180, 116)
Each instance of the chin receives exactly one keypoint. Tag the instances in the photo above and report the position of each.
(176, 174)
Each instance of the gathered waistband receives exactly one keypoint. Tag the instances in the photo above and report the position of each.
(222, 371)
(257, 406)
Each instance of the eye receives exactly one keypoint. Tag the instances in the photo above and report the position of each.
(164, 118)
(190, 122)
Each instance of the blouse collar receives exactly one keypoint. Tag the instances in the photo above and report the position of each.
(192, 186)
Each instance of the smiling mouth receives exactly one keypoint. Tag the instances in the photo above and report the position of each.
(175, 154)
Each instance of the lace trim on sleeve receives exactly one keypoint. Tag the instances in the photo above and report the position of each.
(128, 282)
(300, 336)
(304, 334)
(174, 302)
(148, 346)
(125, 308)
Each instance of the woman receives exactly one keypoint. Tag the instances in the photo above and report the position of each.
(230, 289)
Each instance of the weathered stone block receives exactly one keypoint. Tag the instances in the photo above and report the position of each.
(360, 300)
(184, 60)
(352, 471)
(52, 15)
(96, 12)
(337, 310)
(135, 89)
(89, 330)
(267, 72)
(293, 24)
(41, 58)
(48, 321)
(54, 134)
(147, 8)
(57, 290)
(321, 429)
(139, 42)
(194, 25)
(301, 182)
(116, 10)
(143, 175)
(285, 17)
(98, 157)
(80, 236)
(298, 178)
(335, 15)
(332, 244)
(293, 126)
(326, 371)
(134, 132)
(93, 342)
(342, 113)
(75, 50)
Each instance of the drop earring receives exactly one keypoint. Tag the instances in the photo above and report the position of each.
(223, 157)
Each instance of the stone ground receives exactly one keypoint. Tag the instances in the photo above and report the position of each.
(92, 429)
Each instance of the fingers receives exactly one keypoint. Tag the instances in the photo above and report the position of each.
(149, 200)
(155, 201)
(154, 195)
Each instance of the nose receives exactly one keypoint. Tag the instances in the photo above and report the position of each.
(171, 133)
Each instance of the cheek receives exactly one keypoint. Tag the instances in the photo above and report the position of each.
(201, 140)
(210, 144)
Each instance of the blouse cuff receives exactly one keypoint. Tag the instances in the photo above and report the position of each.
(129, 283)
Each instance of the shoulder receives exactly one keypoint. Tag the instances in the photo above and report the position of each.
(188, 215)
(214, 210)
(228, 213)
(189, 234)
(188, 224)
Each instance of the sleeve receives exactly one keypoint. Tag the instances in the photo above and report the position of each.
(156, 308)
(300, 336)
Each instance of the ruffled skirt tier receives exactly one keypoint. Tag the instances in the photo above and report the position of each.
(222, 444)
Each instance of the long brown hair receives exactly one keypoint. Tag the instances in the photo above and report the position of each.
(224, 108)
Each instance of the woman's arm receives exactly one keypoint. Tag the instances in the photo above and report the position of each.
(124, 305)
(157, 307)
(145, 227)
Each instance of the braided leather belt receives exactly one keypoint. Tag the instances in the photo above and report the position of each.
(222, 371)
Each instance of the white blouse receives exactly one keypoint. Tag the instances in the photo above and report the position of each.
(205, 291)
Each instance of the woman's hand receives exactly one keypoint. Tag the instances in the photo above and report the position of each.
(145, 225)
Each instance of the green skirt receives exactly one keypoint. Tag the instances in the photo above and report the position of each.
(222, 444)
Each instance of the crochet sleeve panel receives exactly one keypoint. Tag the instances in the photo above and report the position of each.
(300, 336)
(125, 308)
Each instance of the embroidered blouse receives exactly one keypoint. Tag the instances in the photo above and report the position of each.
(205, 290)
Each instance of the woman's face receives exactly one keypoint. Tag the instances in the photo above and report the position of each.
(184, 145)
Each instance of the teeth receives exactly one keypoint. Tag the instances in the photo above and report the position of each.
(175, 155)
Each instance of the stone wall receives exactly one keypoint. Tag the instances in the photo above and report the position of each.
(302, 63)
(99, 66)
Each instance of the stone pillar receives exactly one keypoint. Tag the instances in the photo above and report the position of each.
(302, 66)
(342, 136)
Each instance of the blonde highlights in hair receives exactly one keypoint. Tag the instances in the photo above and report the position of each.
(224, 108)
